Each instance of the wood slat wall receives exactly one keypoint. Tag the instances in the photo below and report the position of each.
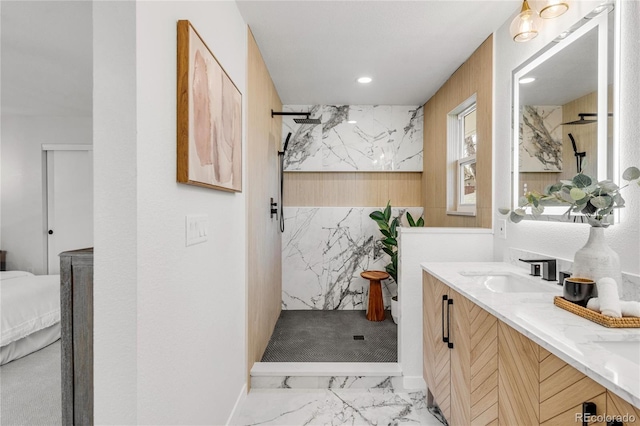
(617, 406)
(474, 76)
(264, 276)
(352, 189)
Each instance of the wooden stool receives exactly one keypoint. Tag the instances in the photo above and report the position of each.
(375, 312)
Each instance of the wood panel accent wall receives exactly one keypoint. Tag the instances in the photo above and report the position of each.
(264, 275)
(474, 76)
(357, 189)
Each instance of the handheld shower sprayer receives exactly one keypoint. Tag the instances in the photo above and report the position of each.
(281, 155)
(286, 144)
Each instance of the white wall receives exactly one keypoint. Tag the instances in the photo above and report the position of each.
(189, 313)
(23, 234)
(418, 245)
(562, 240)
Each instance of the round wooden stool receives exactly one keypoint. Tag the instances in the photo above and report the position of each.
(375, 311)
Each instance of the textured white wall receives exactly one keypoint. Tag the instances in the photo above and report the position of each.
(115, 213)
(560, 239)
(188, 327)
(23, 234)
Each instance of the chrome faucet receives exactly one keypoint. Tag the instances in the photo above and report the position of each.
(548, 268)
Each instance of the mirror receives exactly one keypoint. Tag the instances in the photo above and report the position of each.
(563, 114)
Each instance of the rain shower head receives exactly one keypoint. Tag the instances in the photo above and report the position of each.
(582, 119)
(306, 120)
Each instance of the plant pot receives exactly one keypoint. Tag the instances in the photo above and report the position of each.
(597, 260)
(395, 309)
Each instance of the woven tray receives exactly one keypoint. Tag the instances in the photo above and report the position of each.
(597, 317)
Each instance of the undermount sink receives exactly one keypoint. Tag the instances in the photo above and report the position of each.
(507, 282)
(627, 349)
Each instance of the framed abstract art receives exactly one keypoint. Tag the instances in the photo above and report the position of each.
(209, 117)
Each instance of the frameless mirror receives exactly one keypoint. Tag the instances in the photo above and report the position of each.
(563, 109)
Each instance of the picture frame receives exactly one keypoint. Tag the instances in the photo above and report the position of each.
(209, 117)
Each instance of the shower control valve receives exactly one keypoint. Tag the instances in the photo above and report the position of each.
(274, 208)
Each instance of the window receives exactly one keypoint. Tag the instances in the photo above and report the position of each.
(461, 159)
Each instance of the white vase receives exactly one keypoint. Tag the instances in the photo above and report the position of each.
(395, 309)
(597, 260)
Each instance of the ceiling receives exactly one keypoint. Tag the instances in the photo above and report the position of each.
(47, 58)
(315, 50)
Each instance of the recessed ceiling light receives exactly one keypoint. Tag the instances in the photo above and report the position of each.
(364, 80)
(526, 80)
(352, 121)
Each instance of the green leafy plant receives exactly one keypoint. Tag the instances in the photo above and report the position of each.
(584, 195)
(389, 229)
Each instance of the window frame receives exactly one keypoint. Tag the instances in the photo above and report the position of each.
(455, 161)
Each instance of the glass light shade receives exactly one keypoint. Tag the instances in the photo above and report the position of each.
(549, 9)
(526, 25)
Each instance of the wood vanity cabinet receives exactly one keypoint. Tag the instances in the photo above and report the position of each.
(460, 355)
(618, 407)
(538, 388)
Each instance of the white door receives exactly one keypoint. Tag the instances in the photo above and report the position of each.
(69, 203)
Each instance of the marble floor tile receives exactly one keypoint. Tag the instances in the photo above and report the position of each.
(333, 407)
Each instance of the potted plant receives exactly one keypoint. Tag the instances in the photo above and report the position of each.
(596, 202)
(389, 229)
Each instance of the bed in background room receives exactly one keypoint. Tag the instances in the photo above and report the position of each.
(30, 354)
(30, 311)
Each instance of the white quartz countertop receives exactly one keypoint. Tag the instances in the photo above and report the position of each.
(610, 356)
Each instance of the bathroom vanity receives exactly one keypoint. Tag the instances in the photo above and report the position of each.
(497, 350)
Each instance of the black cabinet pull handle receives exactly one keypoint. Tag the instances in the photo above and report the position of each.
(444, 339)
(50, 231)
(449, 303)
(588, 410)
(615, 423)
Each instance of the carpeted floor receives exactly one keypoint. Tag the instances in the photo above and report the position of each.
(328, 336)
(30, 389)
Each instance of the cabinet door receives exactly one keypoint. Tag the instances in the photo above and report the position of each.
(536, 387)
(436, 352)
(621, 410)
(474, 362)
(518, 364)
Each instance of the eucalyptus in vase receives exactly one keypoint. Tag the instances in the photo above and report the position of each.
(596, 202)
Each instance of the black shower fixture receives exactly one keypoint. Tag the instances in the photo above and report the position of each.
(306, 120)
(582, 119)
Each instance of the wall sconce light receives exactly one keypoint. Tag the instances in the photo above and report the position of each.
(526, 25)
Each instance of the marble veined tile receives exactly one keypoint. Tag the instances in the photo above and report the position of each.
(383, 138)
(327, 382)
(324, 251)
(304, 150)
(333, 407)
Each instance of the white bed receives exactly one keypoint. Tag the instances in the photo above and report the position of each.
(30, 310)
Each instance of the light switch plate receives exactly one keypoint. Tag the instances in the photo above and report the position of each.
(502, 228)
(196, 228)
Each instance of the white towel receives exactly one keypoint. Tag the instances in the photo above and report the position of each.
(608, 295)
(628, 308)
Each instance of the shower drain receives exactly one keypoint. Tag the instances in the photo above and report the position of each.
(358, 337)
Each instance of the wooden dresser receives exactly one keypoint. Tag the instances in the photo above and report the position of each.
(76, 298)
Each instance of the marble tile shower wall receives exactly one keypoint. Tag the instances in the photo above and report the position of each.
(384, 138)
(324, 250)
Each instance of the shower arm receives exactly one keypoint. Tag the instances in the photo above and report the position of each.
(306, 114)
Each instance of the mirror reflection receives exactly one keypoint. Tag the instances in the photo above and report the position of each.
(561, 96)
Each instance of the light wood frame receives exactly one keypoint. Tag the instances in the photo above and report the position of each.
(209, 117)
